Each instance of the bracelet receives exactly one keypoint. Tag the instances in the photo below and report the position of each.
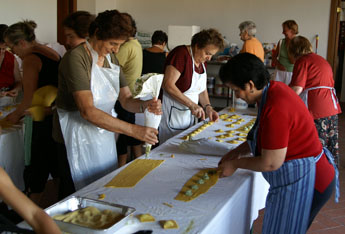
(207, 106)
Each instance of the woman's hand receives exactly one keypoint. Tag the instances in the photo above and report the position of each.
(226, 167)
(197, 111)
(231, 155)
(146, 134)
(211, 113)
(11, 93)
(155, 106)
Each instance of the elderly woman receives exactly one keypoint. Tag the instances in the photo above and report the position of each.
(39, 69)
(285, 146)
(76, 28)
(90, 82)
(154, 57)
(251, 44)
(184, 84)
(312, 79)
(10, 78)
(284, 65)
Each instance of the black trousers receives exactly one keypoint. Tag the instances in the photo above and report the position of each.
(43, 157)
(123, 141)
(320, 200)
(66, 186)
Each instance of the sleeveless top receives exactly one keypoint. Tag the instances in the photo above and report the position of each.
(283, 57)
(153, 62)
(49, 72)
(7, 71)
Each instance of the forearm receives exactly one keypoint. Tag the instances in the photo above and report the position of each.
(106, 121)
(242, 149)
(23, 106)
(42, 223)
(30, 212)
(269, 160)
(133, 105)
(204, 99)
(254, 164)
(298, 89)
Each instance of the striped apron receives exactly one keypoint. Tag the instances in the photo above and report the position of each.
(290, 196)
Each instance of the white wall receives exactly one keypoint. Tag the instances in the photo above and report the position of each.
(43, 12)
(225, 15)
(95, 6)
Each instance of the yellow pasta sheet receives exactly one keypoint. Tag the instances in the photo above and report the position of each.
(133, 173)
(213, 176)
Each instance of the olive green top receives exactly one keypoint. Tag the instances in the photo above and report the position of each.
(75, 75)
(284, 58)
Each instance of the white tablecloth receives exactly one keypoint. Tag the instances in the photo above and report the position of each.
(230, 206)
(12, 155)
(12, 146)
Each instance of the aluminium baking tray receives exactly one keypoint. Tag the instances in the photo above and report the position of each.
(74, 203)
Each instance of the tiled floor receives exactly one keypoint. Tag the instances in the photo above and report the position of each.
(331, 218)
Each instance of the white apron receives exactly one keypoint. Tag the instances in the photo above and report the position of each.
(91, 150)
(304, 95)
(282, 76)
(176, 116)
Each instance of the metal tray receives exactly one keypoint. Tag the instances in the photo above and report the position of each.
(75, 203)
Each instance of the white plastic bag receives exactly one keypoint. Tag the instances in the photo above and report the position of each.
(149, 85)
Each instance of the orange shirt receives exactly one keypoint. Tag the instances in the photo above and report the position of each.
(254, 46)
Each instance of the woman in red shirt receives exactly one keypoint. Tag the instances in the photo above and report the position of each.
(285, 146)
(10, 78)
(312, 79)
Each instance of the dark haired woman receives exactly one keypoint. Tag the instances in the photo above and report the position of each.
(285, 146)
(76, 28)
(154, 57)
(184, 84)
(90, 82)
(39, 69)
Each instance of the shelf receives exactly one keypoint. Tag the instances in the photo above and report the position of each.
(223, 96)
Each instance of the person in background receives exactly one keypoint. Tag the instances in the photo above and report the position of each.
(10, 77)
(76, 28)
(154, 57)
(284, 66)
(130, 57)
(90, 82)
(285, 148)
(38, 70)
(184, 84)
(251, 43)
(29, 211)
(312, 79)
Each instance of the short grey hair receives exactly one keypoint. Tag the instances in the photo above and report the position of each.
(248, 26)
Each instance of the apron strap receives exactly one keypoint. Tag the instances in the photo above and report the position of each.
(331, 89)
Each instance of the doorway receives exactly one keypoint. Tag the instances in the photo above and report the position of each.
(64, 8)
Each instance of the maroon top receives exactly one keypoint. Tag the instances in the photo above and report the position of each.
(181, 59)
(7, 71)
